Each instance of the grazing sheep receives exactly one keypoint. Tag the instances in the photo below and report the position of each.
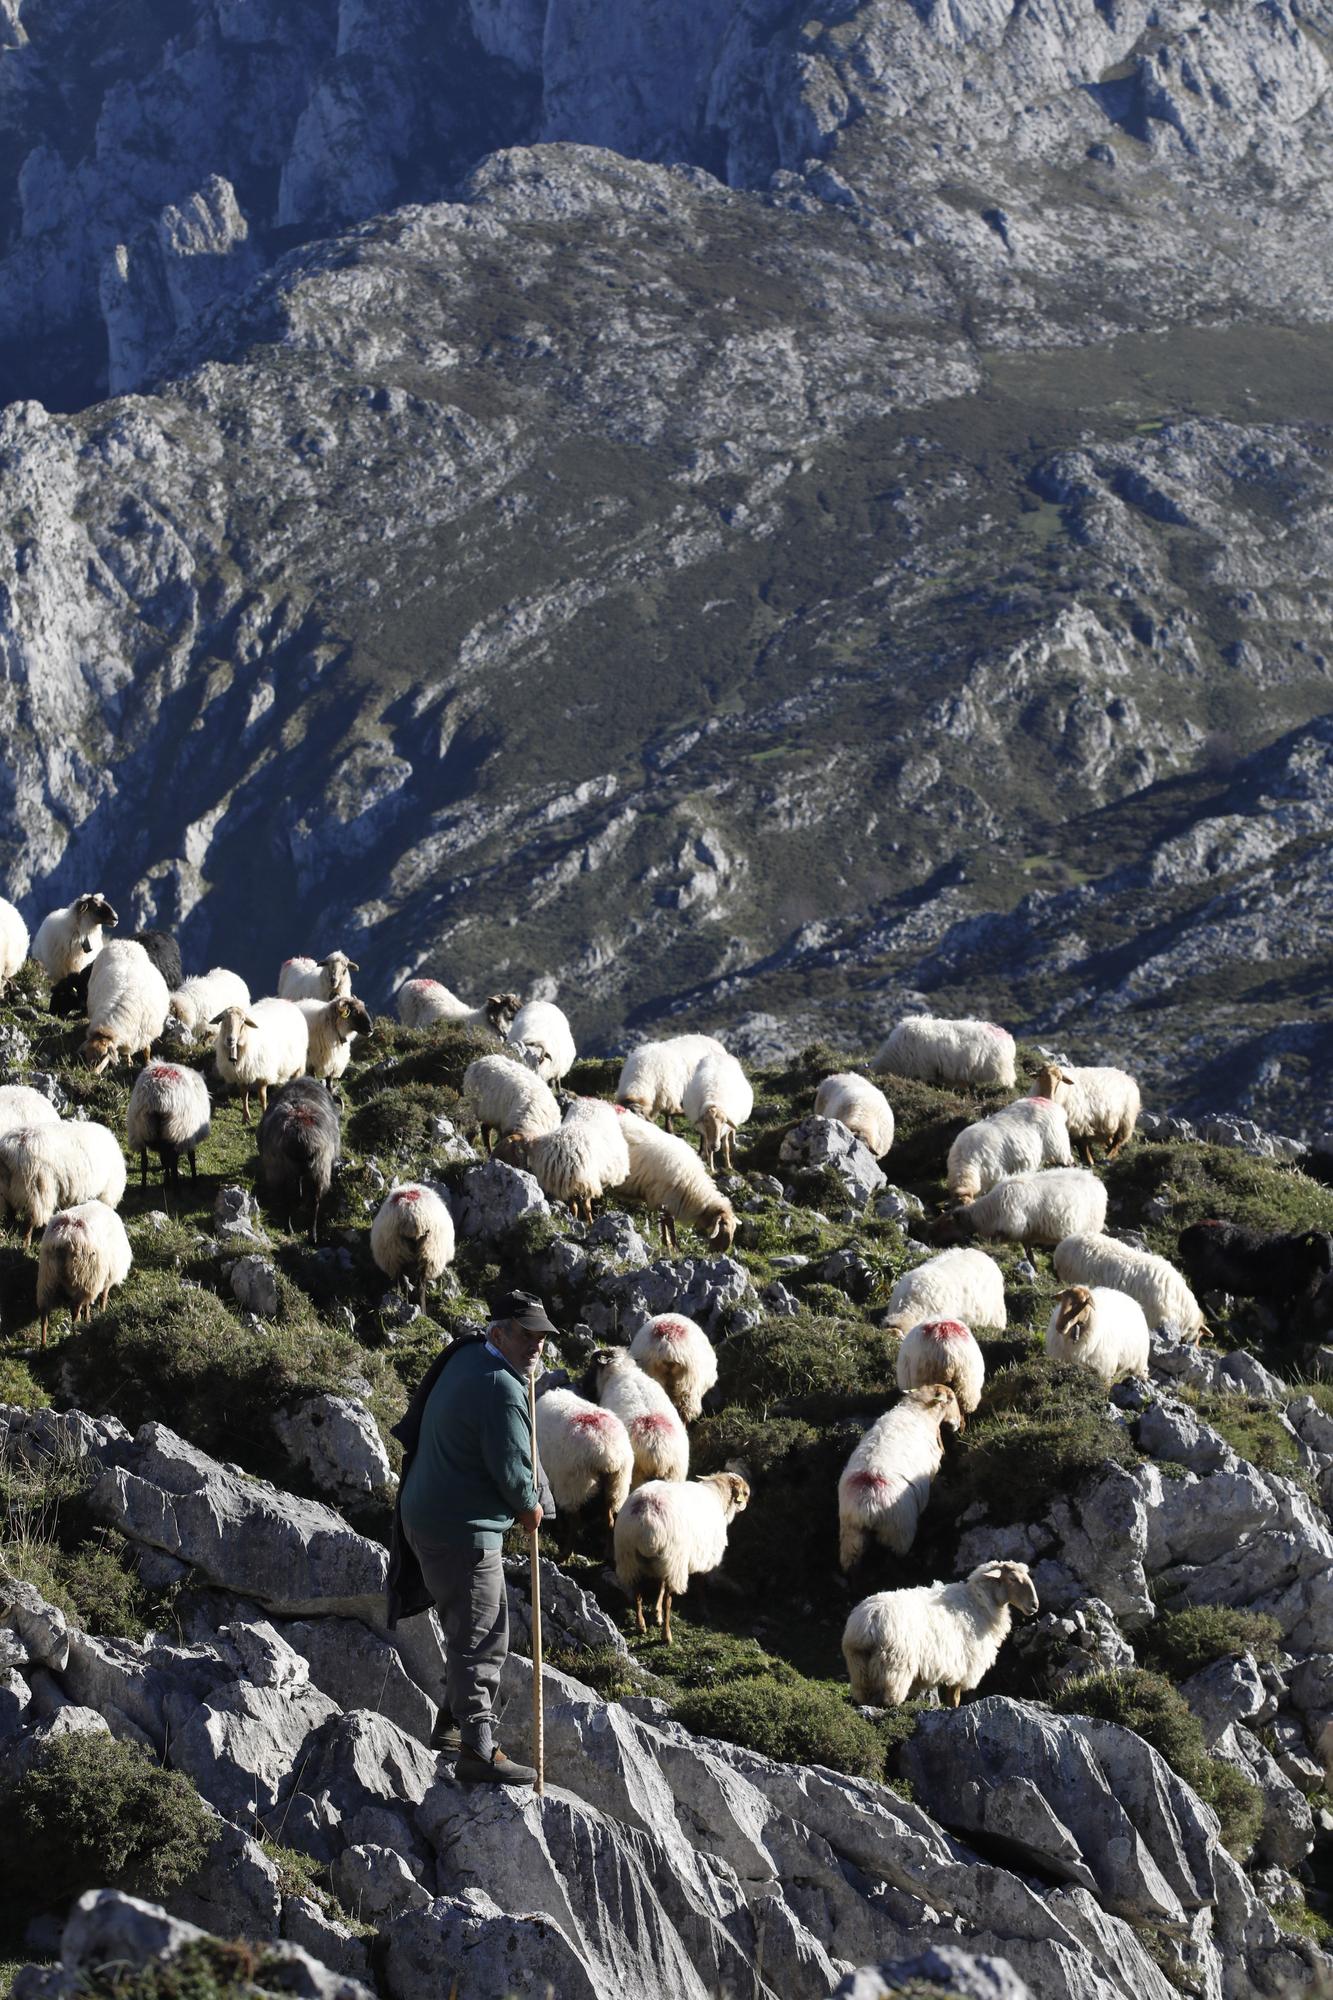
(69, 996)
(544, 1039)
(669, 1531)
(657, 1435)
(1100, 1329)
(885, 1484)
(957, 1284)
(68, 938)
(198, 1001)
(1029, 1209)
(128, 1000)
(44, 1168)
(860, 1105)
(1100, 1104)
(317, 979)
(1086, 1257)
(653, 1076)
(258, 1047)
(584, 1158)
(958, 1052)
(13, 943)
(1229, 1257)
(300, 1143)
(331, 1027)
(20, 1104)
(503, 1096)
(678, 1355)
(1020, 1139)
(84, 1252)
(943, 1350)
(668, 1175)
(412, 1236)
(423, 1002)
(586, 1454)
(901, 1643)
(169, 1114)
(717, 1101)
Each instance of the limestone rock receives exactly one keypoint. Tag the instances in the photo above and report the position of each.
(337, 1441)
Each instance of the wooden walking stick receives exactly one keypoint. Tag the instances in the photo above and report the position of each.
(538, 1721)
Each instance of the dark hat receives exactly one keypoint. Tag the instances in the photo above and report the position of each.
(525, 1309)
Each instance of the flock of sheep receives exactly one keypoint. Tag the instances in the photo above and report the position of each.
(621, 1447)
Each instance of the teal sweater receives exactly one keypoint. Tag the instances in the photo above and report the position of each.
(472, 1473)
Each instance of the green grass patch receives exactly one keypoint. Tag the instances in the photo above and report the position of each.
(808, 1365)
(796, 1722)
(1183, 1642)
(1043, 1428)
(1254, 1429)
(1201, 1181)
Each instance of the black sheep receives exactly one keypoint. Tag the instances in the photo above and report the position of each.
(300, 1143)
(1229, 1257)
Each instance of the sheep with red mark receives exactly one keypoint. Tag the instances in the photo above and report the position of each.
(168, 1114)
(412, 1237)
(669, 1531)
(943, 1350)
(885, 1484)
(587, 1456)
(657, 1436)
(680, 1357)
(84, 1252)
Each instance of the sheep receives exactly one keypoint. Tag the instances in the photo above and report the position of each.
(13, 943)
(1229, 1257)
(20, 1104)
(69, 996)
(943, 1350)
(197, 1001)
(1020, 1139)
(258, 1047)
(957, 1284)
(543, 1037)
(667, 1175)
(317, 979)
(423, 1002)
(1098, 1103)
(128, 1001)
(300, 1143)
(84, 1252)
(48, 1167)
(503, 1097)
(583, 1158)
(412, 1236)
(717, 1100)
(331, 1028)
(66, 939)
(659, 1438)
(169, 1114)
(900, 1643)
(885, 1484)
(586, 1455)
(653, 1076)
(1029, 1209)
(680, 1356)
(1086, 1257)
(860, 1105)
(668, 1532)
(1100, 1329)
(958, 1052)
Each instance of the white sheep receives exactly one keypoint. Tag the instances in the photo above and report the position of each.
(943, 1350)
(1022, 1138)
(886, 1482)
(680, 1356)
(13, 943)
(20, 1104)
(199, 999)
(71, 938)
(544, 1039)
(412, 1236)
(1087, 1257)
(84, 1252)
(958, 1052)
(717, 1101)
(44, 1168)
(653, 1076)
(331, 1028)
(169, 1114)
(1030, 1209)
(669, 1531)
(956, 1284)
(860, 1105)
(503, 1097)
(128, 1003)
(260, 1047)
(583, 1159)
(659, 1439)
(1101, 1104)
(423, 1002)
(586, 1454)
(1101, 1329)
(317, 978)
(900, 1643)
(667, 1175)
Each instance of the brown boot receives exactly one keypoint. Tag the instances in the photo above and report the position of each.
(472, 1769)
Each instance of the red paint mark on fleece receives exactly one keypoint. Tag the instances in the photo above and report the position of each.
(408, 1194)
(947, 1329)
(868, 1482)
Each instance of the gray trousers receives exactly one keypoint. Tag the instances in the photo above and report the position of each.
(469, 1590)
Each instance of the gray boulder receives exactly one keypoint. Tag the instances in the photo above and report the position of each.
(254, 1285)
(337, 1441)
(469, 1936)
(377, 1882)
(706, 1289)
(495, 1199)
(944, 1968)
(826, 1142)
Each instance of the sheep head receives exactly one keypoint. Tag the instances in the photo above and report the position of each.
(91, 912)
(99, 1049)
(642, 1107)
(1051, 1080)
(723, 1232)
(352, 1018)
(940, 1402)
(1073, 1308)
(954, 1226)
(603, 1363)
(231, 1025)
(731, 1489)
(500, 1010)
(1007, 1583)
(337, 969)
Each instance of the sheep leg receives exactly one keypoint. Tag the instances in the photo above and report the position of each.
(669, 1229)
(638, 1613)
(657, 1608)
(194, 1166)
(245, 1105)
(668, 1118)
(953, 1695)
(101, 1304)
(263, 1099)
(666, 1617)
(143, 1167)
(727, 1159)
(314, 1222)
(46, 1321)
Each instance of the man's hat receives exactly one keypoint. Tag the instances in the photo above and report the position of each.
(525, 1309)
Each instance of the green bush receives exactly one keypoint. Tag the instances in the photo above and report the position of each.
(1254, 1429)
(205, 1969)
(1042, 1429)
(1182, 1642)
(395, 1124)
(783, 1549)
(437, 1056)
(801, 1722)
(812, 1364)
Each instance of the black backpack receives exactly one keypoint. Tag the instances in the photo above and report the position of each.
(405, 1592)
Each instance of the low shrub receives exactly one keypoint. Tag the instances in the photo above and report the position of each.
(800, 1722)
(1183, 1642)
(784, 1547)
(1043, 1428)
(1255, 1430)
(808, 1363)
(396, 1125)
(204, 1969)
